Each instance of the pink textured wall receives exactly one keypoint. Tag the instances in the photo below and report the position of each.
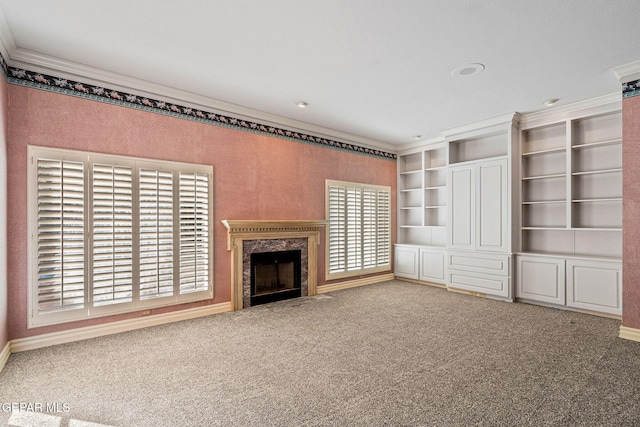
(256, 177)
(631, 212)
(4, 327)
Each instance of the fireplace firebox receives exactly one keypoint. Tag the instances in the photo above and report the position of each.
(275, 276)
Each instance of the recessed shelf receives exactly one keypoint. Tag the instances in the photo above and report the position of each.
(407, 190)
(550, 176)
(597, 144)
(543, 202)
(604, 199)
(595, 172)
(547, 151)
(411, 172)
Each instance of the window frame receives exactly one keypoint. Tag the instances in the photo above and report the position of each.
(38, 318)
(381, 265)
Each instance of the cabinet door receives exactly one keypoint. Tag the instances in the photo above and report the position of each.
(541, 279)
(593, 285)
(432, 266)
(492, 206)
(406, 261)
(462, 194)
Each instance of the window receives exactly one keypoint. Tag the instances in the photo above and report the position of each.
(359, 232)
(111, 234)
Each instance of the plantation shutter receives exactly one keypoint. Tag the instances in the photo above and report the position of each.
(369, 229)
(156, 233)
(60, 235)
(337, 228)
(359, 231)
(112, 191)
(383, 232)
(354, 231)
(194, 235)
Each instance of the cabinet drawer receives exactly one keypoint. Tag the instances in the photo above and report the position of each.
(479, 282)
(497, 264)
(595, 286)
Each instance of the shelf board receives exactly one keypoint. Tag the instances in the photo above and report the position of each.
(435, 168)
(547, 151)
(412, 172)
(436, 187)
(406, 190)
(547, 228)
(410, 207)
(435, 207)
(544, 202)
(602, 199)
(595, 172)
(597, 144)
(555, 175)
(574, 228)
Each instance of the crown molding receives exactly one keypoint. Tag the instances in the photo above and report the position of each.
(599, 105)
(482, 126)
(628, 72)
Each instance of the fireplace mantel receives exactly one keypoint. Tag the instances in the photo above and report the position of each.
(240, 230)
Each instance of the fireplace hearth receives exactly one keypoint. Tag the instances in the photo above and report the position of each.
(275, 276)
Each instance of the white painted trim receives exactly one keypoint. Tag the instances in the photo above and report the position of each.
(54, 338)
(355, 283)
(600, 105)
(629, 333)
(628, 72)
(481, 127)
(4, 355)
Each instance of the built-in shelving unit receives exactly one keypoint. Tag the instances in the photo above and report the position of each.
(422, 190)
(571, 182)
(571, 209)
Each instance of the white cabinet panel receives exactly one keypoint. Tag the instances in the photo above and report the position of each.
(432, 265)
(406, 261)
(595, 285)
(480, 262)
(479, 206)
(462, 207)
(492, 207)
(479, 282)
(541, 279)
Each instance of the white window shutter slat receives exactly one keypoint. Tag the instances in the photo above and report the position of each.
(60, 235)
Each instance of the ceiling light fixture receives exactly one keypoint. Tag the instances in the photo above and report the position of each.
(467, 70)
(550, 102)
(302, 104)
(417, 136)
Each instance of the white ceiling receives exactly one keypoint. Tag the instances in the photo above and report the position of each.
(379, 70)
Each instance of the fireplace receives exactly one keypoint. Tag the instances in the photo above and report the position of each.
(275, 276)
(248, 237)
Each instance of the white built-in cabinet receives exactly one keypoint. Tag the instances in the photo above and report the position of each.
(422, 214)
(571, 209)
(521, 207)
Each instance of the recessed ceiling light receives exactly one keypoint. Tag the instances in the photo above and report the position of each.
(302, 104)
(550, 102)
(467, 70)
(417, 136)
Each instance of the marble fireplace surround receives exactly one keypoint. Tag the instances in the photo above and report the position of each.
(247, 236)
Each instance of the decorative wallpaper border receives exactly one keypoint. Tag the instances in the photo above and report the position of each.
(631, 89)
(28, 78)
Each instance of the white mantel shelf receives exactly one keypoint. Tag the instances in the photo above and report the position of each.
(240, 230)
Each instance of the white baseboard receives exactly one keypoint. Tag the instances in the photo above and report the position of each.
(4, 355)
(354, 283)
(629, 333)
(45, 340)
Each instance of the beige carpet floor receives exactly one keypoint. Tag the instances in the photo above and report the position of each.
(389, 354)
